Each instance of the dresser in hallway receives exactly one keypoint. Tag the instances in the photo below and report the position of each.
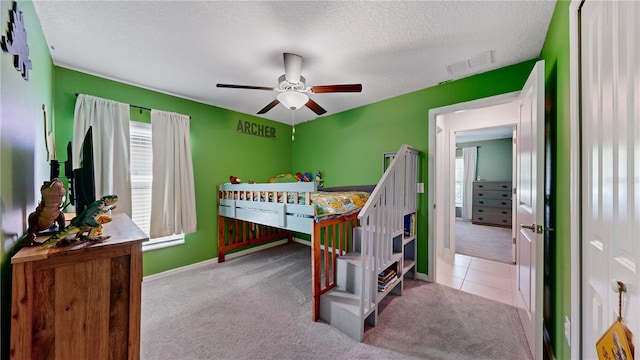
(492, 203)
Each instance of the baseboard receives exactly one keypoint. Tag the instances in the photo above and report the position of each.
(178, 270)
(423, 277)
(301, 241)
(213, 261)
(255, 249)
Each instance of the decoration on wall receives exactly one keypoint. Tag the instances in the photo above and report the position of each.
(251, 128)
(616, 343)
(15, 42)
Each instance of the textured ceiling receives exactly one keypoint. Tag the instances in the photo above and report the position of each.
(392, 48)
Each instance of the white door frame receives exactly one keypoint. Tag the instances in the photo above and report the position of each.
(575, 337)
(437, 219)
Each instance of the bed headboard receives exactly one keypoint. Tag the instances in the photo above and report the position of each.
(367, 188)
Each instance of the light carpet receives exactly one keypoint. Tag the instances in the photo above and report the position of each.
(258, 306)
(487, 242)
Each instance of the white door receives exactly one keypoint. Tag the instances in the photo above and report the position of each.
(610, 107)
(529, 207)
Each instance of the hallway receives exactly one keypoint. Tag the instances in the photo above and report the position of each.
(489, 279)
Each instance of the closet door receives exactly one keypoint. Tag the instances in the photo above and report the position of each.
(610, 81)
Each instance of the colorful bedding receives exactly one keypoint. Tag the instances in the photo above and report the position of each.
(332, 204)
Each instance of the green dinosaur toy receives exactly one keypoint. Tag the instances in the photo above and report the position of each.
(87, 224)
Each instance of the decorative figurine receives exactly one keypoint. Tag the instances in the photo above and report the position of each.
(48, 212)
(87, 224)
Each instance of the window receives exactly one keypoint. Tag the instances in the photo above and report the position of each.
(141, 179)
(459, 183)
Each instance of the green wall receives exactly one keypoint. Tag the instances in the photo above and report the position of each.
(23, 158)
(218, 151)
(495, 159)
(555, 52)
(347, 147)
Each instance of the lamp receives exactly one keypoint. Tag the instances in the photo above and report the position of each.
(293, 100)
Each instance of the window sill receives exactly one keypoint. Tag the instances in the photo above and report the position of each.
(163, 242)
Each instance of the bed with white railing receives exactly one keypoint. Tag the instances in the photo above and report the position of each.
(250, 214)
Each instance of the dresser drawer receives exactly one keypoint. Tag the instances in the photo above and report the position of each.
(492, 185)
(489, 211)
(491, 194)
(497, 203)
(492, 220)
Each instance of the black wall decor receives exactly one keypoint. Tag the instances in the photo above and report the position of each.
(15, 42)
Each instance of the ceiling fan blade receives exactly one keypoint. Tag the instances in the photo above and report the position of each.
(269, 106)
(244, 87)
(315, 107)
(292, 67)
(336, 88)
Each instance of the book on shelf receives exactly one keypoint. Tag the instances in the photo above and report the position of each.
(410, 224)
(385, 274)
(386, 279)
(386, 285)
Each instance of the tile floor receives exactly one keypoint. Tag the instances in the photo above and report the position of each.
(490, 279)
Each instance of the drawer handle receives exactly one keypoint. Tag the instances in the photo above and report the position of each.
(480, 210)
(504, 203)
(505, 212)
(480, 202)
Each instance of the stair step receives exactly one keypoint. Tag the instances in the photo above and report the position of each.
(341, 309)
(353, 258)
(344, 299)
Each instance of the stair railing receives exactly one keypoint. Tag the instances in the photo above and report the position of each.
(382, 219)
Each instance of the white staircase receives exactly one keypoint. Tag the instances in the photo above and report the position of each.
(379, 243)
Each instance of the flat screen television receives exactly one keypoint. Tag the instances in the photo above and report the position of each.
(82, 188)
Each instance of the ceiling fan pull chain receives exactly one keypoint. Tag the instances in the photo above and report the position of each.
(293, 126)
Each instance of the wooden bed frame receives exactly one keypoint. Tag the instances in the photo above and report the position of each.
(247, 217)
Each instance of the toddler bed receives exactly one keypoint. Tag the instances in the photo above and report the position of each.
(249, 214)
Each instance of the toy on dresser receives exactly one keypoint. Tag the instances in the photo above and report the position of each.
(88, 224)
(49, 212)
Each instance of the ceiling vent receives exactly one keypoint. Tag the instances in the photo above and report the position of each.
(462, 67)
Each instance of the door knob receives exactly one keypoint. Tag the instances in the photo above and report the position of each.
(531, 227)
(618, 286)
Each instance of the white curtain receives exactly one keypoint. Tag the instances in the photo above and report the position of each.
(110, 123)
(173, 200)
(469, 159)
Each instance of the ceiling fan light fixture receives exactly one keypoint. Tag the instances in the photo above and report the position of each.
(292, 100)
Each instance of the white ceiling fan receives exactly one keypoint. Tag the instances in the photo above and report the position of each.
(293, 90)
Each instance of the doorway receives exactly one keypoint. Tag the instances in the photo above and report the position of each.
(483, 185)
(461, 259)
(528, 117)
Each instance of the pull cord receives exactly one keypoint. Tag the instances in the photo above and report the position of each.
(293, 126)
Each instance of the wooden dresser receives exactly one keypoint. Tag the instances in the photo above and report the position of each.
(492, 203)
(81, 301)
